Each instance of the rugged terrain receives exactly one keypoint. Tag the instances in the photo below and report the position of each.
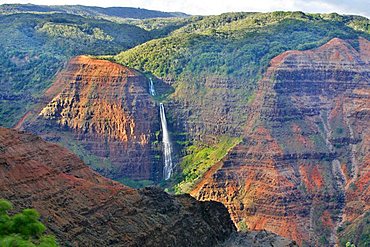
(83, 208)
(283, 143)
(102, 111)
(37, 41)
(302, 169)
(214, 64)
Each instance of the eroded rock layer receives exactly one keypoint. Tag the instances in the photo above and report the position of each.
(302, 169)
(83, 208)
(103, 111)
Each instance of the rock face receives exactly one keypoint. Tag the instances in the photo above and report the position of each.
(210, 107)
(102, 110)
(302, 169)
(83, 208)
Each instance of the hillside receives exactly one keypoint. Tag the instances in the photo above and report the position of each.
(82, 208)
(302, 168)
(280, 151)
(214, 65)
(34, 47)
(89, 11)
(267, 113)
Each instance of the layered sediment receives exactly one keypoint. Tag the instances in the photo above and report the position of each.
(82, 208)
(102, 110)
(302, 168)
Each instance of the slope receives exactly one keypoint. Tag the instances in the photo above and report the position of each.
(103, 112)
(34, 47)
(302, 169)
(83, 208)
(89, 11)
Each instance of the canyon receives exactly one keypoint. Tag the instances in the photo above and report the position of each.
(302, 169)
(82, 208)
(265, 113)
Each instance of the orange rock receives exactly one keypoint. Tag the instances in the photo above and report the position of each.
(106, 110)
(82, 208)
(310, 113)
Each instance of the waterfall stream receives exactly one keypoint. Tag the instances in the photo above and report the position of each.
(167, 146)
(151, 87)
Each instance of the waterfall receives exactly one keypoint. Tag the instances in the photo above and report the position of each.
(151, 87)
(167, 148)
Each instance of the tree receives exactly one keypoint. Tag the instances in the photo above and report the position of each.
(22, 229)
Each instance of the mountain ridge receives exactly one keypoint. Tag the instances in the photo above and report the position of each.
(90, 11)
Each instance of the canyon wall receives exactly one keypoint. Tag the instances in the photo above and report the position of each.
(83, 208)
(302, 169)
(103, 112)
(207, 107)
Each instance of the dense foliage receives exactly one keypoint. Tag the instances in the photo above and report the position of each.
(34, 47)
(23, 229)
(89, 11)
(239, 44)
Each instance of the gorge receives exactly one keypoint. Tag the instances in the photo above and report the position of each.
(262, 118)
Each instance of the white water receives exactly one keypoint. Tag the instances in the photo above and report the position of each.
(151, 87)
(167, 147)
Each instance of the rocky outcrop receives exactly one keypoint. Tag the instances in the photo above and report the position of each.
(103, 112)
(83, 208)
(302, 169)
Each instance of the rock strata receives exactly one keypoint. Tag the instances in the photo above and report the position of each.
(83, 208)
(302, 169)
(102, 110)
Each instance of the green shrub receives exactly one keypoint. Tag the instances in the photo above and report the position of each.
(242, 226)
(22, 229)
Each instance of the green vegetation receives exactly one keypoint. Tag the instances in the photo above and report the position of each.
(200, 158)
(22, 229)
(242, 226)
(161, 27)
(72, 31)
(135, 183)
(111, 13)
(357, 232)
(34, 47)
(237, 44)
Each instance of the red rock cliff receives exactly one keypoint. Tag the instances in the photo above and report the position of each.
(102, 110)
(303, 168)
(83, 208)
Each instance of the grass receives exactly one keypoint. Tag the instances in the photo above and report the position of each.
(200, 159)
